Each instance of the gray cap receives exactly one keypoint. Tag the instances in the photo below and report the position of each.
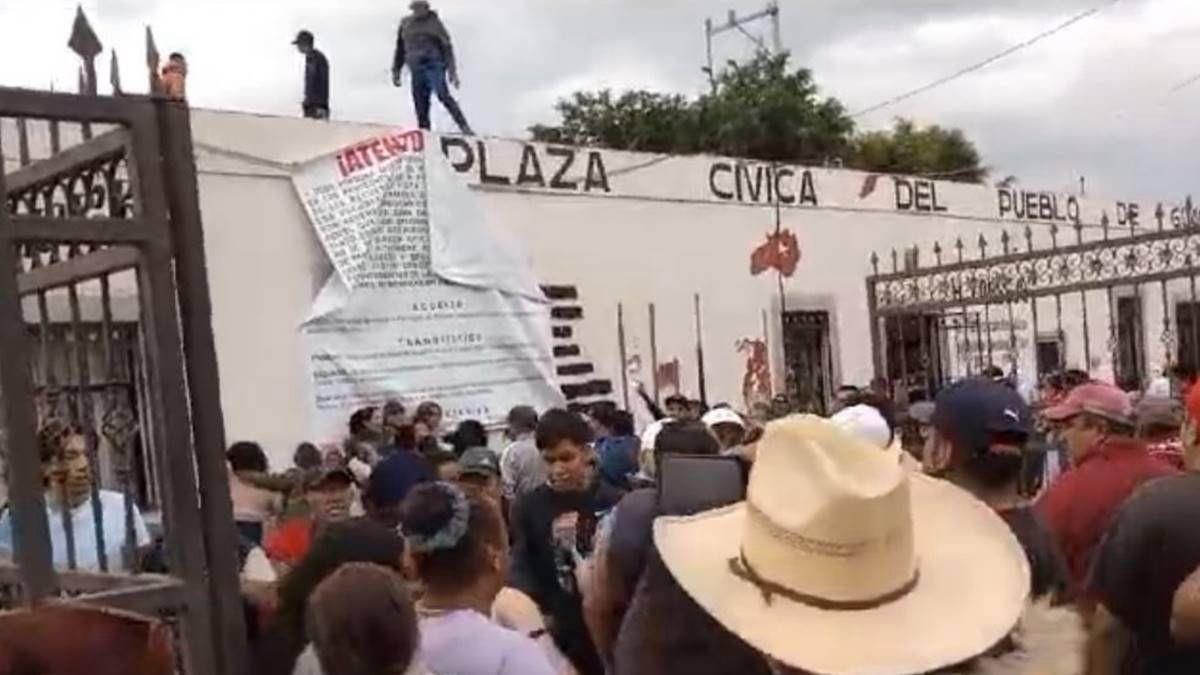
(1159, 412)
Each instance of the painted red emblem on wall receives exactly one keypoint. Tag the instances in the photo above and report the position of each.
(780, 252)
(756, 382)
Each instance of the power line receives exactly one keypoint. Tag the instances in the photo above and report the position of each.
(1185, 84)
(986, 62)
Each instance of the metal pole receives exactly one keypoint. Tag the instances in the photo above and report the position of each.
(654, 351)
(776, 34)
(700, 351)
(194, 312)
(708, 37)
(767, 347)
(876, 337)
(624, 354)
(27, 503)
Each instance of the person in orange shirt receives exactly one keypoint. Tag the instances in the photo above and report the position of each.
(174, 77)
(329, 495)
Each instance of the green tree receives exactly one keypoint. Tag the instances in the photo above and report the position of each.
(764, 110)
(636, 120)
(761, 110)
(931, 151)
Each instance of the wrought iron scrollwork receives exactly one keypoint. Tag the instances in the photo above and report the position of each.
(100, 189)
(1022, 276)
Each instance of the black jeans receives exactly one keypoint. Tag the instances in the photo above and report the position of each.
(316, 112)
(428, 78)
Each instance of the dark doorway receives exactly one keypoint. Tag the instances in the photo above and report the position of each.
(806, 351)
(1049, 354)
(1130, 343)
(1187, 322)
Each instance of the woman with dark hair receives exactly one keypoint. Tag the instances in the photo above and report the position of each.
(469, 434)
(253, 506)
(431, 414)
(361, 622)
(339, 543)
(456, 545)
(366, 436)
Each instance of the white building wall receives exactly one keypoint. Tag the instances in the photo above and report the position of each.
(659, 234)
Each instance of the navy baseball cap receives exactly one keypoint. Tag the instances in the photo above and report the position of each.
(969, 412)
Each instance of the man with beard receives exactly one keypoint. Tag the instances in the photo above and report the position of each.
(67, 474)
(554, 527)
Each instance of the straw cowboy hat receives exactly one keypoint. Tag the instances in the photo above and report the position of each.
(841, 561)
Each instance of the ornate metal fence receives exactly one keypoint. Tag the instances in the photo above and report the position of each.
(105, 323)
(1119, 304)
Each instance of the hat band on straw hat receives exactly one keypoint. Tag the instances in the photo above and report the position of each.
(874, 564)
(740, 567)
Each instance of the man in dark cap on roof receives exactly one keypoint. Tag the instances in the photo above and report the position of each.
(423, 44)
(316, 77)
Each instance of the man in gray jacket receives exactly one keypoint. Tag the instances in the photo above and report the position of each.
(424, 45)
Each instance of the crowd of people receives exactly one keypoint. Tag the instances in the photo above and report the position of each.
(1046, 538)
(973, 533)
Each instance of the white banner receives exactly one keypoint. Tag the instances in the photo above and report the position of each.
(426, 301)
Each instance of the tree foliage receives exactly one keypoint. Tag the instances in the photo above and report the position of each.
(931, 151)
(636, 120)
(764, 110)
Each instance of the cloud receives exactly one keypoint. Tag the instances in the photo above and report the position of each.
(1090, 101)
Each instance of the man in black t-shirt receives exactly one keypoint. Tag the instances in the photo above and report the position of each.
(1152, 545)
(554, 527)
(980, 428)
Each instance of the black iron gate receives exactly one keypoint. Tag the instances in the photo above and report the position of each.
(1119, 304)
(105, 323)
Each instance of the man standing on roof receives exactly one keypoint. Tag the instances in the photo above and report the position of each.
(424, 45)
(316, 77)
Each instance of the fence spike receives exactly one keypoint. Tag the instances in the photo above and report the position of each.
(874, 262)
(937, 252)
(1029, 238)
(1004, 240)
(1104, 222)
(1079, 230)
(982, 246)
(1187, 208)
(958, 244)
(1159, 214)
(895, 263)
(1053, 235)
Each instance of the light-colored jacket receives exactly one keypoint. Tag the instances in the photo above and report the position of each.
(521, 468)
(309, 664)
(1049, 641)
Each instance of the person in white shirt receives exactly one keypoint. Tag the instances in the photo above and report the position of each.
(522, 469)
(67, 474)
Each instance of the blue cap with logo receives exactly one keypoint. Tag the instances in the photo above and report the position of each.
(969, 412)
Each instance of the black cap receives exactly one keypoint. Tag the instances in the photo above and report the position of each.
(324, 476)
(479, 461)
(304, 37)
(968, 412)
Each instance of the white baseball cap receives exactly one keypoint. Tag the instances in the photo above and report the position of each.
(722, 416)
(865, 422)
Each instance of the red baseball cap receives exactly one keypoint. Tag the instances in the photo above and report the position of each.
(1096, 398)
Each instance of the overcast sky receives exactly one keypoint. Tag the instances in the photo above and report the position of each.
(1093, 100)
